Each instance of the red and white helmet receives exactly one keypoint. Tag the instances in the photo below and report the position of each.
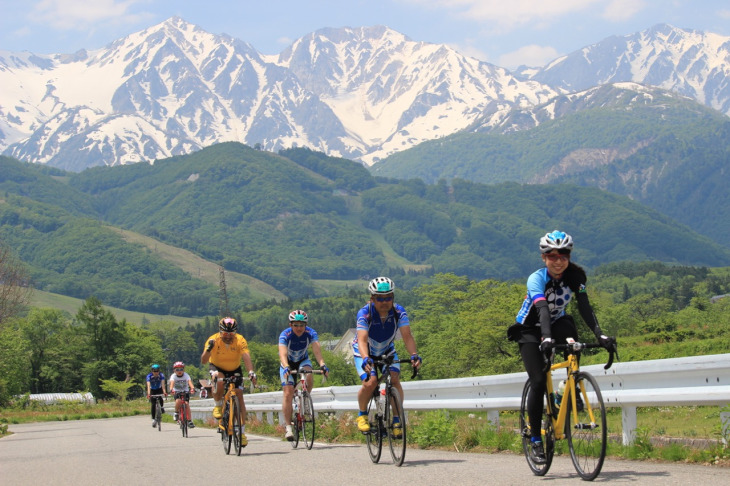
(298, 315)
(178, 365)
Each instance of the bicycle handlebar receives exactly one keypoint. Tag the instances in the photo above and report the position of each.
(386, 360)
(576, 346)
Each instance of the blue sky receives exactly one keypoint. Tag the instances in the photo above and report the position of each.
(503, 32)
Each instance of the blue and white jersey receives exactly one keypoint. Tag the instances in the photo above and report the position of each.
(541, 286)
(381, 335)
(156, 381)
(297, 346)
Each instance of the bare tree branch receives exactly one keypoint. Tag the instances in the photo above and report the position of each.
(15, 289)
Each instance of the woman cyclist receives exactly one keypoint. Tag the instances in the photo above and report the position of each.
(182, 387)
(542, 321)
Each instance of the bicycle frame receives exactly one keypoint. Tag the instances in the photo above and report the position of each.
(569, 396)
(299, 413)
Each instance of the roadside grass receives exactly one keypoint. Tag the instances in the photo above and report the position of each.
(672, 434)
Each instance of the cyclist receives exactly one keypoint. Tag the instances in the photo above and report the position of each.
(541, 321)
(377, 325)
(224, 351)
(294, 341)
(156, 386)
(181, 386)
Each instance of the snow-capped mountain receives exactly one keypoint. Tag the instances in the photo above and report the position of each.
(694, 64)
(173, 88)
(361, 93)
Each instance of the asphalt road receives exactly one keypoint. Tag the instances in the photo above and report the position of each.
(128, 451)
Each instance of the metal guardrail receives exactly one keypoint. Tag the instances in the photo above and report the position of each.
(697, 380)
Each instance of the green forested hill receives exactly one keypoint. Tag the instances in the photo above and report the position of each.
(657, 148)
(304, 224)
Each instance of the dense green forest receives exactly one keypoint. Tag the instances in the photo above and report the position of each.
(655, 310)
(657, 148)
(303, 224)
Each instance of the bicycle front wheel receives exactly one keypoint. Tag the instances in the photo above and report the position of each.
(308, 420)
(374, 438)
(236, 421)
(158, 415)
(395, 421)
(586, 427)
(223, 428)
(546, 433)
(297, 419)
(183, 415)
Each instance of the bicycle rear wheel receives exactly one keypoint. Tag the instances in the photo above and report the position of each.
(308, 427)
(158, 415)
(223, 427)
(297, 419)
(586, 428)
(374, 438)
(236, 420)
(548, 437)
(183, 416)
(396, 435)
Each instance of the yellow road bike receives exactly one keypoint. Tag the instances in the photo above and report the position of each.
(231, 420)
(579, 417)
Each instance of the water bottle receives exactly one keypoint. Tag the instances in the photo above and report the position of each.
(559, 393)
(381, 402)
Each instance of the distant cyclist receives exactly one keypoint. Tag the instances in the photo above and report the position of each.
(181, 386)
(542, 321)
(224, 351)
(156, 386)
(377, 324)
(294, 341)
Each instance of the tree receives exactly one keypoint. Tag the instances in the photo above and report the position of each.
(43, 330)
(15, 287)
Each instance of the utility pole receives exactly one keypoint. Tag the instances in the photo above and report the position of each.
(223, 294)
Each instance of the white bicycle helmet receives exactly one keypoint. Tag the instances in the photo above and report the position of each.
(557, 240)
(298, 315)
(381, 285)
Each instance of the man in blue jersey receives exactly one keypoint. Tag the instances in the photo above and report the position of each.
(378, 323)
(294, 343)
(156, 389)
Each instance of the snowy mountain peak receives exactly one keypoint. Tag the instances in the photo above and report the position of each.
(361, 93)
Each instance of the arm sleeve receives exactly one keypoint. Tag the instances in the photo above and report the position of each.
(543, 316)
(586, 312)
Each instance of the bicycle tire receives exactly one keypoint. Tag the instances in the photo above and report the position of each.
(547, 433)
(374, 438)
(236, 432)
(223, 428)
(183, 416)
(308, 425)
(397, 444)
(586, 437)
(297, 422)
(158, 415)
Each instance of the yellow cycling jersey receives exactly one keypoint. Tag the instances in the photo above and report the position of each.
(224, 356)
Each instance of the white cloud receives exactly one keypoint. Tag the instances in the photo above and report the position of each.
(532, 55)
(620, 10)
(508, 14)
(83, 14)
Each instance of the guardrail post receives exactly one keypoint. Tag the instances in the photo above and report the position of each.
(493, 417)
(628, 424)
(725, 421)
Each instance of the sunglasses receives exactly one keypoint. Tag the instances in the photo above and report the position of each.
(179, 369)
(384, 299)
(155, 371)
(297, 325)
(224, 333)
(553, 257)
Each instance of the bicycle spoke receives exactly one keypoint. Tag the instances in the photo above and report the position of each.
(548, 438)
(307, 413)
(297, 419)
(586, 427)
(395, 421)
(236, 420)
(374, 438)
(226, 437)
